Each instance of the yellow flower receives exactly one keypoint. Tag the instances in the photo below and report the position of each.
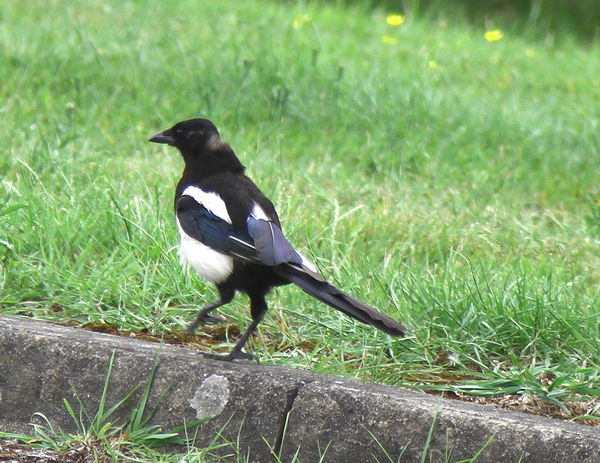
(395, 20)
(494, 36)
(389, 39)
(300, 21)
(433, 64)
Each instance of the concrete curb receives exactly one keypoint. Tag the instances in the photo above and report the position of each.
(261, 408)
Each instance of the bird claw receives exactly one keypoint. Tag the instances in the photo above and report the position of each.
(210, 320)
(231, 356)
(201, 321)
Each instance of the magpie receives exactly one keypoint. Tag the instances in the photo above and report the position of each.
(231, 236)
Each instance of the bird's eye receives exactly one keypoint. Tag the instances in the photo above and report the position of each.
(179, 131)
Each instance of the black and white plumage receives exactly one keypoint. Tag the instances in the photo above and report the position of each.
(231, 235)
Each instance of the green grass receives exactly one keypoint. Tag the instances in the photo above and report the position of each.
(446, 180)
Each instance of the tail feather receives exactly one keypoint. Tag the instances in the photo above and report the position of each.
(314, 284)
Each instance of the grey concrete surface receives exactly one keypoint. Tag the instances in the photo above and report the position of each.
(265, 409)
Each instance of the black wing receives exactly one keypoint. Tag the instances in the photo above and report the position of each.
(259, 242)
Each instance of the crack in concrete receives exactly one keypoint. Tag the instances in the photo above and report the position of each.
(293, 394)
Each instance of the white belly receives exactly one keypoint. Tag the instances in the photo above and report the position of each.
(210, 265)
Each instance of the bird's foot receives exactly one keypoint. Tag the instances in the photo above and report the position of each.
(231, 356)
(202, 320)
(210, 320)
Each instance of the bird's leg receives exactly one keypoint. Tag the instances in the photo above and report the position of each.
(236, 352)
(203, 317)
(258, 308)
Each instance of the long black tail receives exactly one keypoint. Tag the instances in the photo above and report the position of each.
(317, 287)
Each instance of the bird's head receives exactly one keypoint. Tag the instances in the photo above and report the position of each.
(191, 137)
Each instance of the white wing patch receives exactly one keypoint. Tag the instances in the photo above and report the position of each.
(210, 200)
(208, 263)
(259, 214)
(307, 263)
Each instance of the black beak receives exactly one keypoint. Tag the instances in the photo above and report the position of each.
(163, 137)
